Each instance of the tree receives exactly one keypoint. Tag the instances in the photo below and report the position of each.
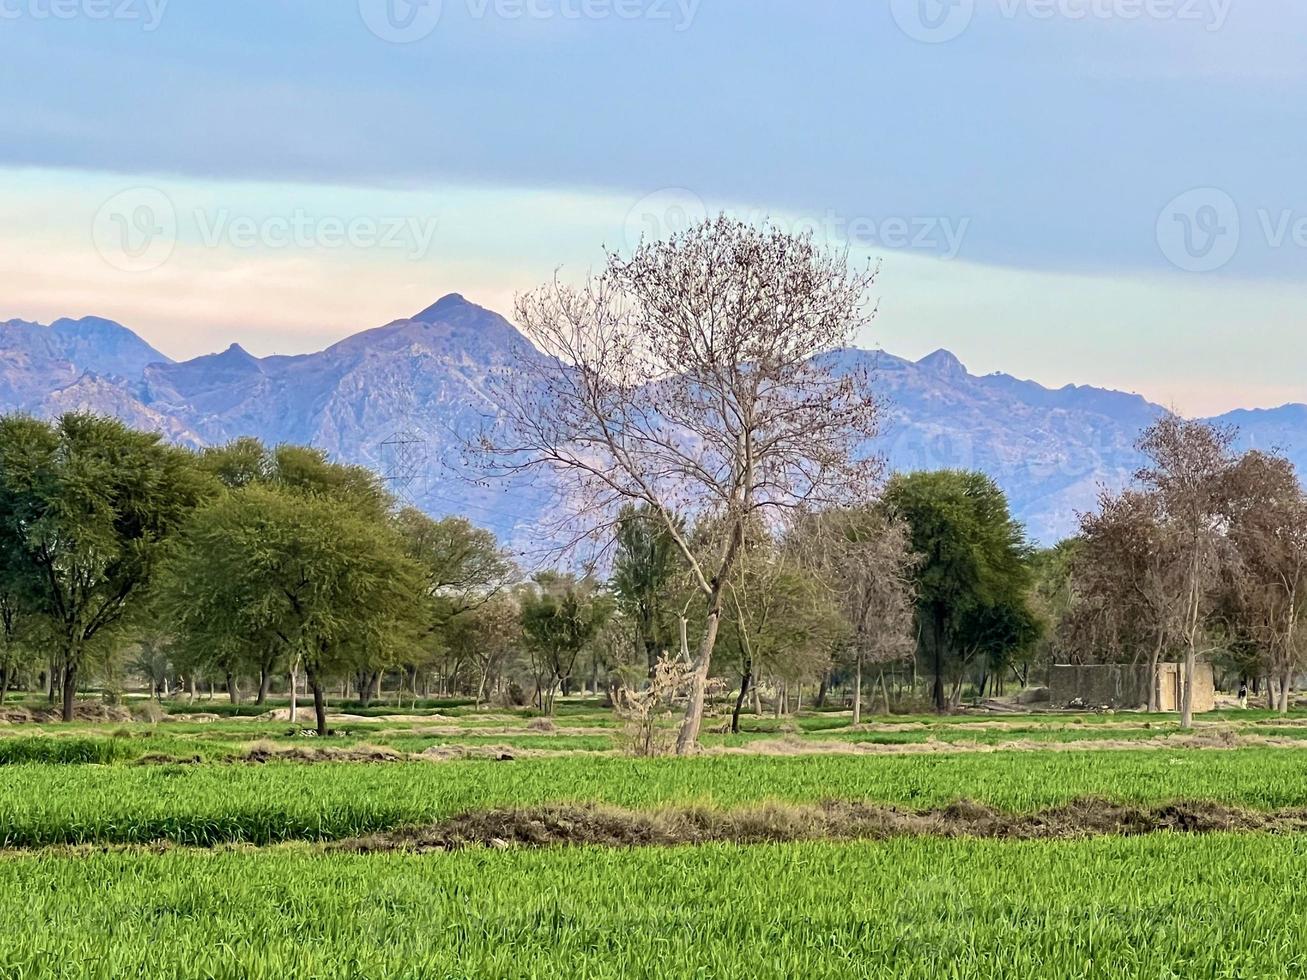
(1187, 466)
(1127, 573)
(645, 569)
(777, 618)
(1052, 597)
(560, 617)
(248, 462)
(86, 508)
(16, 639)
(973, 581)
(695, 378)
(300, 573)
(151, 658)
(865, 557)
(489, 634)
(1267, 576)
(463, 569)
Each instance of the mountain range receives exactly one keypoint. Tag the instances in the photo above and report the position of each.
(396, 398)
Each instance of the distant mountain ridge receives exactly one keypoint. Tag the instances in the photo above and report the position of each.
(397, 398)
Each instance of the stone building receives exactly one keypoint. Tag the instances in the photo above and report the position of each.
(1123, 686)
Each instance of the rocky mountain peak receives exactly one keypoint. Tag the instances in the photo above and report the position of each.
(943, 363)
(449, 306)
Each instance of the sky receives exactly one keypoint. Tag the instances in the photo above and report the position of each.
(1101, 192)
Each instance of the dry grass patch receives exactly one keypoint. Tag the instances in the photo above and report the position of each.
(605, 826)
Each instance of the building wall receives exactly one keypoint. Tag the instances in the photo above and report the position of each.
(1125, 687)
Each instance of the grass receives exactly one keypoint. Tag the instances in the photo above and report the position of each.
(1220, 906)
(584, 726)
(1224, 906)
(210, 804)
(69, 750)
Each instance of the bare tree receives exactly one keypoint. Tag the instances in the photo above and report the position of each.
(1129, 586)
(1268, 576)
(1188, 462)
(691, 378)
(865, 557)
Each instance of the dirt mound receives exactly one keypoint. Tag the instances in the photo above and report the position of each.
(561, 826)
(303, 716)
(92, 711)
(456, 753)
(270, 752)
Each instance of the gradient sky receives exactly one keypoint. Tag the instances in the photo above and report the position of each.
(1096, 191)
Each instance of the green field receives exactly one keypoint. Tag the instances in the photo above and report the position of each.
(1149, 907)
(118, 858)
(210, 804)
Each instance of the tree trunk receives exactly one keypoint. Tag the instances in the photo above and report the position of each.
(688, 737)
(294, 693)
(1187, 699)
(941, 706)
(1286, 682)
(821, 691)
(857, 691)
(739, 702)
(1154, 662)
(265, 681)
(319, 704)
(70, 687)
(233, 690)
(369, 686)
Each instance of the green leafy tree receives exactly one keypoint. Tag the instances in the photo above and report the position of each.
(646, 567)
(1052, 600)
(463, 568)
(17, 640)
(303, 573)
(86, 508)
(778, 620)
(248, 462)
(973, 580)
(561, 616)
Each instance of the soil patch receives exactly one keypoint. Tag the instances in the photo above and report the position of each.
(206, 717)
(92, 711)
(271, 752)
(602, 826)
